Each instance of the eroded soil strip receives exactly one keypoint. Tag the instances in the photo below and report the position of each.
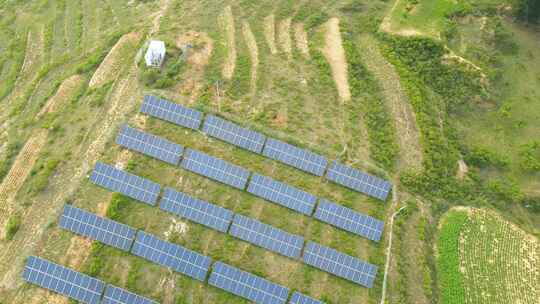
(227, 21)
(270, 33)
(253, 53)
(335, 55)
(301, 38)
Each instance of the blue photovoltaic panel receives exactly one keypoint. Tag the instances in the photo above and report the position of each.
(170, 255)
(215, 169)
(128, 184)
(196, 210)
(266, 236)
(340, 264)
(349, 220)
(296, 157)
(63, 280)
(117, 295)
(97, 228)
(149, 144)
(359, 181)
(298, 298)
(247, 285)
(233, 134)
(282, 194)
(171, 112)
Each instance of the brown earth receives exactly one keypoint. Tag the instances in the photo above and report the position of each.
(110, 67)
(63, 94)
(335, 55)
(270, 33)
(301, 38)
(227, 23)
(253, 54)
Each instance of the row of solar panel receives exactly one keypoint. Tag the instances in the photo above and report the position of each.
(161, 252)
(218, 218)
(271, 238)
(272, 148)
(76, 285)
(237, 177)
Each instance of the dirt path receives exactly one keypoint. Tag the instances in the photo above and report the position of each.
(63, 94)
(301, 38)
(34, 50)
(404, 118)
(284, 36)
(111, 65)
(335, 55)
(270, 33)
(253, 54)
(227, 22)
(19, 172)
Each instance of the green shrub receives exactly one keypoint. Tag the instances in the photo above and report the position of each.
(117, 204)
(482, 158)
(12, 226)
(530, 156)
(95, 262)
(42, 174)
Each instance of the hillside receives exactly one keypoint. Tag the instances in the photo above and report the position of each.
(439, 99)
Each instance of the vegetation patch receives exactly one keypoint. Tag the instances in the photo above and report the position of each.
(451, 284)
(12, 226)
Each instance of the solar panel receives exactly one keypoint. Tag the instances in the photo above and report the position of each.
(247, 285)
(117, 295)
(149, 144)
(296, 157)
(298, 298)
(350, 220)
(63, 280)
(282, 194)
(233, 134)
(358, 181)
(171, 112)
(340, 264)
(97, 228)
(128, 184)
(170, 255)
(196, 210)
(215, 169)
(266, 236)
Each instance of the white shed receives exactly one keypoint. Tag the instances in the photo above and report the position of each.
(155, 54)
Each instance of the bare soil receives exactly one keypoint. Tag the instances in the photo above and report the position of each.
(404, 118)
(301, 38)
(270, 33)
(63, 94)
(284, 36)
(253, 53)
(335, 54)
(110, 67)
(227, 23)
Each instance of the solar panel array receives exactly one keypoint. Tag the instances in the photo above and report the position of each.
(149, 144)
(359, 181)
(267, 236)
(247, 285)
(196, 210)
(128, 184)
(97, 228)
(293, 156)
(171, 112)
(349, 220)
(63, 280)
(215, 168)
(117, 295)
(340, 264)
(170, 255)
(233, 134)
(282, 194)
(298, 298)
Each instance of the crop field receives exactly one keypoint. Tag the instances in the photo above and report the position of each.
(497, 261)
(352, 80)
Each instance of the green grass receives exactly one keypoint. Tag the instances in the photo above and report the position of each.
(451, 284)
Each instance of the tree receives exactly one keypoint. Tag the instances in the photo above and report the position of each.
(529, 11)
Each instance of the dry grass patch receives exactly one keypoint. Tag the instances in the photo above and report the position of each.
(63, 94)
(301, 38)
(253, 53)
(335, 54)
(227, 23)
(270, 33)
(284, 36)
